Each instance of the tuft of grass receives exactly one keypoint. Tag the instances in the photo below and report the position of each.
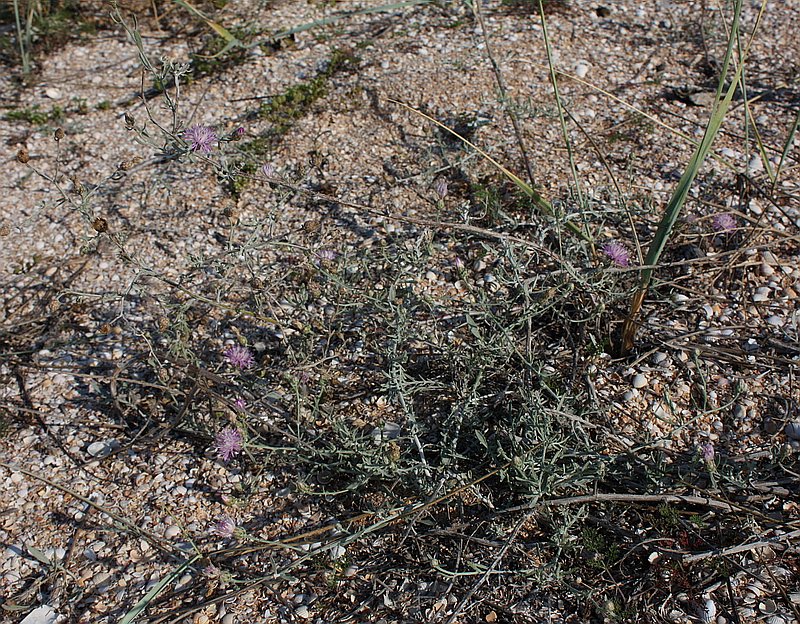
(35, 116)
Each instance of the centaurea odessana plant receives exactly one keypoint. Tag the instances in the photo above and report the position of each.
(228, 443)
(240, 357)
(617, 253)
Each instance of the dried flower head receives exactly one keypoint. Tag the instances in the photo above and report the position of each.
(707, 452)
(441, 188)
(723, 222)
(239, 356)
(617, 253)
(200, 138)
(268, 169)
(224, 527)
(23, 156)
(58, 134)
(229, 443)
(130, 122)
(100, 225)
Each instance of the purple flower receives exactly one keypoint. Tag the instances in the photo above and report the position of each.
(723, 222)
(617, 252)
(224, 527)
(239, 132)
(200, 138)
(239, 404)
(229, 443)
(268, 169)
(326, 255)
(240, 356)
(212, 571)
(441, 188)
(707, 451)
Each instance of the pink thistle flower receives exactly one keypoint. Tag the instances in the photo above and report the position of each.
(707, 452)
(239, 404)
(200, 138)
(326, 255)
(224, 527)
(441, 188)
(229, 443)
(240, 356)
(723, 222)
(617, 253)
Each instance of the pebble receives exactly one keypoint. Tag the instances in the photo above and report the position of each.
(229, 619)
(775, 321)
(102, 448)
(581, 69)
(792, 430)
(52, 93)
(172, 531)
(302, 612)
(639, 381)
(761, 294)
(659, 357)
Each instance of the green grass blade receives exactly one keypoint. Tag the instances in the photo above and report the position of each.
(230, 40)
(786, 148)
(140, 606)
(678, 198)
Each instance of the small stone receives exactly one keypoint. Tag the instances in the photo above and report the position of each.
(52, 93)
(766, 270)
(172, 531)
(338, 551)
(302, 612)
(229, 619)
(659, 357)
(353, 570)
(761, 294)
(639, 381)
(102, 448)
(792, 430)
(755, 165)
(581, 69)
(775, 321)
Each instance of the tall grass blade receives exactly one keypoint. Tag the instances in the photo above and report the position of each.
(140, 606)
(230, 40)
(678, 198)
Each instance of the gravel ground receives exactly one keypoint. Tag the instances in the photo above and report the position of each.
(729, 322)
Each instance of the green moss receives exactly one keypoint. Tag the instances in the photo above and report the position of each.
(104, 105)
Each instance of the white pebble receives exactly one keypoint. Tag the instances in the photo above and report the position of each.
(639, 381)
(775, 321)
(172, 531)
(581, 69)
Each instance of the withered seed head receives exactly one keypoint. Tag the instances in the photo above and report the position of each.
(23, 156)
(100, 225)
(58, 134)
(127, 165)
(4, 230)
(130, 122)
